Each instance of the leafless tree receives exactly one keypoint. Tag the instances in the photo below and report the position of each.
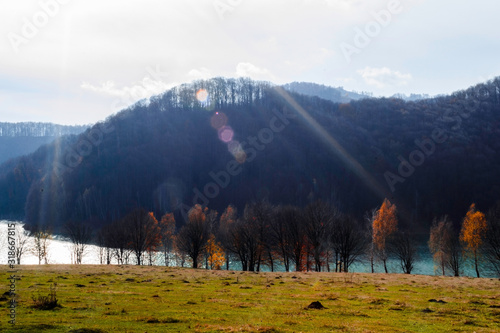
(318, 222)
(454, 260)
(403, 247)
(257, 216)
(22, 242)
(369, 217)
(349, 240)
(41, 241)
(280, 223)
(491, 248)
(80, 235)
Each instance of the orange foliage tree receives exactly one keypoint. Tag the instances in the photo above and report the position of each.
(167, 229)
(227, 220)
(439, 241)
(472, 234)
(143, 232)
(215, 253)
(385, 224)
(193, 236)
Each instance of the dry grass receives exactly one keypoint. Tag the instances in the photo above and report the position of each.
(159, 299)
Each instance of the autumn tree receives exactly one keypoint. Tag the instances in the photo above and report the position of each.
(167, 231)
(143, 232)
(439, 242)
(227, 220)
(80, 235)
(384, 225)
(491, 249)
(193, 236)
(472, 234)
(215, 253)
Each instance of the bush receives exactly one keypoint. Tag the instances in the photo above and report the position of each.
(48, 302)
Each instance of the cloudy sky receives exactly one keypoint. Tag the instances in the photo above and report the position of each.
(79, 61)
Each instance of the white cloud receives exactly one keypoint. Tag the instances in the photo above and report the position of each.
(146, 88)
(384, 77)
(246, 69)
(201, 73)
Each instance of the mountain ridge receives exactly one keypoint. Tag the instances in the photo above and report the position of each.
(158, 155)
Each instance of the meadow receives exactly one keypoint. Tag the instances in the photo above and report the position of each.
(94, 298)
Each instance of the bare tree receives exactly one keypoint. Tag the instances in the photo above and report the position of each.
(279, 232)
(349, 240)
(104, 246)
(403, 247)
(318, 220)
(295, 236)
(243, 240)
(369, 217)
(454, 258)
(193, 236)
(41, 241)
(491, 248)
(257, 216)
(80, 236)
(22, 242)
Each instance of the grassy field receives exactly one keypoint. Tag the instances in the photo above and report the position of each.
(160, 299)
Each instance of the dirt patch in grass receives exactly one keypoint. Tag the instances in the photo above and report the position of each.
(316, 305)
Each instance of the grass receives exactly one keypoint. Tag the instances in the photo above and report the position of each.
(159, 299)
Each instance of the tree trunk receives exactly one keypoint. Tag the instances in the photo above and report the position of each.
(476, 264)
(385, 265)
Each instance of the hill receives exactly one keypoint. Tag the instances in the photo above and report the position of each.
(226, 141)
(17, 139)
(336, 95)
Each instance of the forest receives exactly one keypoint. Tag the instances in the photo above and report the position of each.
(223, 142)
(17, 139)
(316, 238)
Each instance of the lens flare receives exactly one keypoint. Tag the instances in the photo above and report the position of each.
(202, 96)
(218, 120)
(226, 134)
(237, 151)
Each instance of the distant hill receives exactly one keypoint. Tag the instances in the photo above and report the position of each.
(244, 140)
(17, 139)
(339, 95)
(336, 95)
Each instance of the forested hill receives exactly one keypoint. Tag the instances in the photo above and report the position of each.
(244, 140)
(337, 95)
(17, 139)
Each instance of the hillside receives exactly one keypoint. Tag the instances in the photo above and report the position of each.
(17, 139)
(247, 140)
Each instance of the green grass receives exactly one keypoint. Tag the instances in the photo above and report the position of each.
(159, 299)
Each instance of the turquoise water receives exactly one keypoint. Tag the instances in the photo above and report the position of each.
(60, 253)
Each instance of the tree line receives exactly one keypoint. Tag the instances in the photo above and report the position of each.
(317, 237)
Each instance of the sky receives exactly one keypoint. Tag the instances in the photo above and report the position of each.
(78, 62)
